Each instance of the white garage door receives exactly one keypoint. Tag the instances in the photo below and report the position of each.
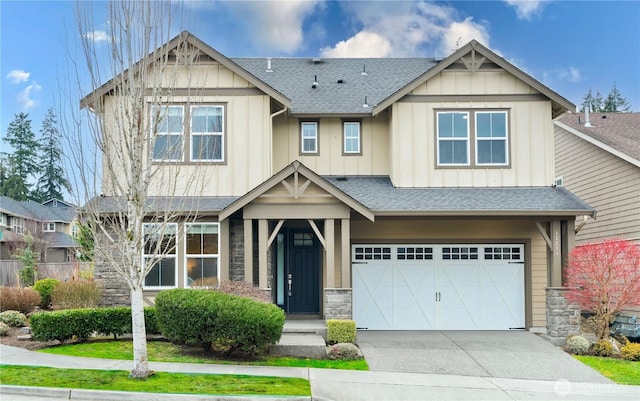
(438, 287)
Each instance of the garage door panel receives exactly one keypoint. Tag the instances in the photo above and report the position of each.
(465, 287)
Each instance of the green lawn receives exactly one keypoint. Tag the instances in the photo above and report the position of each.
(618, 370)
(160, 382)
(162, 351)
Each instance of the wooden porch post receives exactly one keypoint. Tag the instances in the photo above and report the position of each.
(329, 237)
(263, 238)
(248, 251)
(556, 254)
(224, 250)
(345, 237)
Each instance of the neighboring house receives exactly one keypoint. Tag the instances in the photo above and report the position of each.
(598, 159)
(403, 193)
(49, 224)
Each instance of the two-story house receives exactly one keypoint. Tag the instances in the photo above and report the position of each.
(50, 225)
(403, 193)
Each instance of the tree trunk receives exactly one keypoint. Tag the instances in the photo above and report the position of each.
(140, 359)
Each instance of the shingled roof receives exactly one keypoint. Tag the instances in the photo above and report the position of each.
(619, 132)
(379, 195)
(343, 85)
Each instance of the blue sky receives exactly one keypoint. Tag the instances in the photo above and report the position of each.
(571, 46)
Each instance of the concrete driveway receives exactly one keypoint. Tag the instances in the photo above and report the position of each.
(499, 354)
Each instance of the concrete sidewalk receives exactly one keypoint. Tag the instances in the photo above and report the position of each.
(326, 384)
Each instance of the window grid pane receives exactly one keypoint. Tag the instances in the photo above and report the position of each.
(352, 137)
(491, 138)
(309, 137)
(160, 245)
(167, 128)
(202, 252)
(453, 138)
(207, 133)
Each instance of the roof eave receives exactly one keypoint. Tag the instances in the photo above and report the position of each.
(486, 213)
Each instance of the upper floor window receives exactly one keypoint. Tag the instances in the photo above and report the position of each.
(3, 220)
(49, 227)
(483, 134)
(167, 124)
(351, 136)
(207, 133)
(309, 137)
(453, 138)
(160, 251)
(202, 254)
(17, 225)
(491, 138)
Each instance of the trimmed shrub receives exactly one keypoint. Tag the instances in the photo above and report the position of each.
(13, 318)
(602, 348)
(578, 345)
(217, 321)
(631, 352)
(343, 351)
(63, 325)
(341, 331)
(243, 289)
(45, 288)
(24, 300)
(76, 294)
(4, 329)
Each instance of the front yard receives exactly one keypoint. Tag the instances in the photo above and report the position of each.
(618, 370)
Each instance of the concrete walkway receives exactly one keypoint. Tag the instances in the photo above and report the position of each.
(326, 384)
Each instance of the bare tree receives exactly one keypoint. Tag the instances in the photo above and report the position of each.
(128, 167)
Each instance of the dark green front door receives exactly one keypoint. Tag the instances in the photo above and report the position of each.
(302, 278)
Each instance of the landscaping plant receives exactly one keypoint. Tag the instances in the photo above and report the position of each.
(604, 279)
(341, 331)
(13, 318)
(578, 345)
(76, 294)
(45, 288)
(631, 352)
(23, 300)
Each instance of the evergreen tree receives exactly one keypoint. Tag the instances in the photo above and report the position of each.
(615, 102)
(52, 180)
(11, 184)
(24, 159)
(594, 100)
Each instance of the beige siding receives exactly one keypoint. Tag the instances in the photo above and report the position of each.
(606, 182)
(413, 139)
(330, 160)
(469, 231)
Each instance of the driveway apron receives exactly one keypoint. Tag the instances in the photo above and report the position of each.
(500, 354)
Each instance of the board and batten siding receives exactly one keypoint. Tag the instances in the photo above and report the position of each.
(414, 142)
(426, 231)
(607, 183)
(247, 141)
(330, 159)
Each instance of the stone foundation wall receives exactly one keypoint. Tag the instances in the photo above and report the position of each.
(337, 303)
(563, 318)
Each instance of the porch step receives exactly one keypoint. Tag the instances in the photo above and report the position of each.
(310, 326)
(301, 345)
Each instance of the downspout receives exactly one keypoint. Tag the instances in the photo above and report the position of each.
(273, 115)
(582, 224)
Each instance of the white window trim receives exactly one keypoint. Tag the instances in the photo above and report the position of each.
(203, 255)
(506, 137)
(358, 138)
(46, 229)
(467, 139)
(173, 256)
(181, 134)
(302, 138)
(192, 134)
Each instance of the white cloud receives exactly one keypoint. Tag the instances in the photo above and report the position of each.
(18, 76)
(570, 74)
(525, 9)
(363, 44)
(97, 36)
(410, 28)
(276, 25)
(25, 97)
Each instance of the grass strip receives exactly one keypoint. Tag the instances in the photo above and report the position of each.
(159, 382)
(618, 370)
(162, 351)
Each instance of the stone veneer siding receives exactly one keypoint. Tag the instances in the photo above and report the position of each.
(563, 318)
(337, 303)
(116, 291)
(236, 249)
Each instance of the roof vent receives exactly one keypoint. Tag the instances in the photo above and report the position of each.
(365, 104)
(316, 60)
(364, 70)
(341, 81)
(341, 178)
(315, 82)
(269, 65)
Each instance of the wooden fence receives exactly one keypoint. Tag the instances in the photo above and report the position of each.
(9, 271)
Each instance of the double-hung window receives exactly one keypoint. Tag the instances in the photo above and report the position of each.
(207, 133)
(351, 135)
(160, 253)
(167, 129)
(309, 137)
(461, 134)
(453, 138)
(491, 138)
(49, 227)
(202, 253)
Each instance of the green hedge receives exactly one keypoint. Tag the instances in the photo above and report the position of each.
(45, 288)
(218, 321)
(341, 331)
(65, 324)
